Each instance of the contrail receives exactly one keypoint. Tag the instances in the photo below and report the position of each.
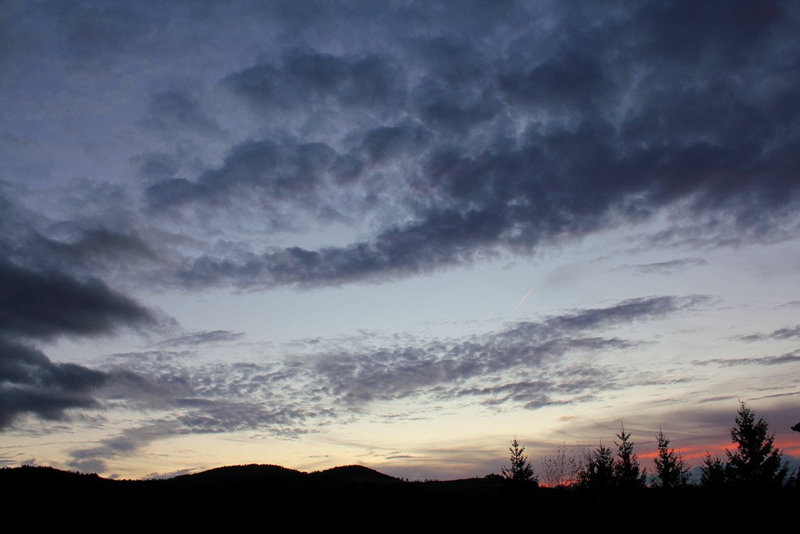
(528, 294)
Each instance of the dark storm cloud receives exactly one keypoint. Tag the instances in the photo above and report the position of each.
(156, 166)
(41, 298)
(45, 304)
(92, 247)
(568, 81)
(31, 383)
(84, 247)
(561, 131)
(173, 110)
(311, 79)
(437, 242)
(283, 171)
(93, 36)
(456, 92)
(541, 121)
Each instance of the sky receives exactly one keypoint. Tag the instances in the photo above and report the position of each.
(395, 234)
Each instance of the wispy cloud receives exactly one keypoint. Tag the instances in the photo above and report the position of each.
(789, 357)
(781, 333)
(526, 364)
(666, 267)
(202, 338)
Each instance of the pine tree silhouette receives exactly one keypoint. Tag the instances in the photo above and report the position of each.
(626, 469)
(712, 472)
(520, 469)
(756, 461)
(597, 471)
(671, 470)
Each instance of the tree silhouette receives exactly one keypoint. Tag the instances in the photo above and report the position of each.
(712, 472)
(756, 461)
(796, 428)
(597, 471)
(559, 469)
(520, 469)
(626, 469)
(671, 470)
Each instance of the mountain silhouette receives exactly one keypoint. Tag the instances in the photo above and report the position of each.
(237, 474)
(357, 498)
(355, 473)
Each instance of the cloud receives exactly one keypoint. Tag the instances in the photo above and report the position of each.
(627, 311)
(530, 364)
(437, 149)
(202, 338)
(31, 383)
(43, 304)
(92, 242)
(575, 130)
(288, 171)
(789, 357)
(283, 396)
(535, 348)
(313, 80)
(173, 110)
(781, 333)
(433, 137)
(41, 301)
(96, 36)
(666, 267)
(92, 248)
(196, 417)
(547, 392)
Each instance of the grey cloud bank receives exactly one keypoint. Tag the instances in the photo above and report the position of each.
(310, 392)
(576, 119)
(606, 125)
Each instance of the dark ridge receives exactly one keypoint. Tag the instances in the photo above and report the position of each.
(354, 473)
(359, 499)
(49, 477)
(239, 474)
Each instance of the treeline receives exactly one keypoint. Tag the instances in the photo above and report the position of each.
(598, 492)
(754, 463)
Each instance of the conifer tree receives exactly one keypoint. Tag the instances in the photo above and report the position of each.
(712, 472)
(626, 469)
(597, 471)
(756, 461)
(520, 469)
(671, 470)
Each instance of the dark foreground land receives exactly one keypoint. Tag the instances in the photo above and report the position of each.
(272, 498)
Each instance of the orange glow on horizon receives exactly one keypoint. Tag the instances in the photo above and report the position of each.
(698, 452)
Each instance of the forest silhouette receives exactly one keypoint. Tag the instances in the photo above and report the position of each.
(604, 490)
